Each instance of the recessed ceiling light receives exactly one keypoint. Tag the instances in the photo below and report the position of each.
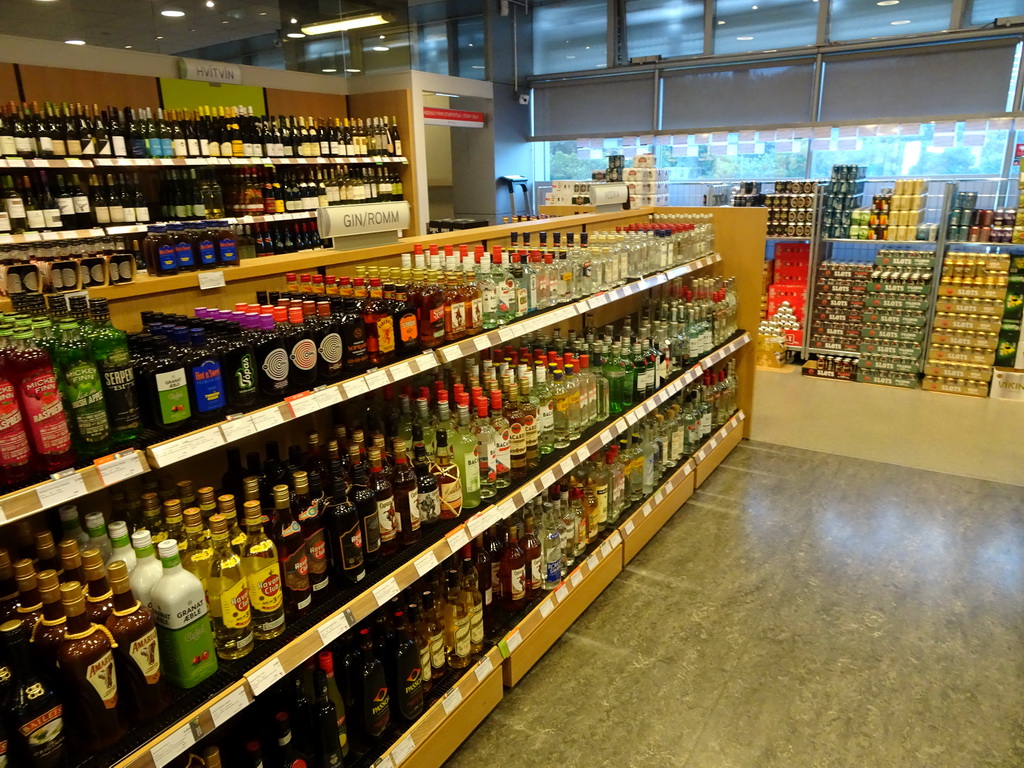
(897, 23)
(586, 47)
(753, 7)
(224, 22)
(159, 37)
(343, 25)
(295, 35)
(75, 42)
(381, 48)
(263, 13)
(127, 46)
(382, 37)
(745, 37)
(478, 66)
(294, 20)
(888, 2)
(210, 3)
(570, 57)
(353, 70)
(328, 70)
(172, 14)
(721, 22)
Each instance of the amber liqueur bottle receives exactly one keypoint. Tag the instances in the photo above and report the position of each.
(383, 493)
(30, 605)
(306, 507)
(9, 594)
(86, 663)
(405, 489)
(345, 531)
(291, 552)
(99, 599)
(48, 634)
(366, 507)
(31, 704)
(136, 655)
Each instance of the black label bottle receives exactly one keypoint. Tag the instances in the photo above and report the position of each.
(345, 530)
(31, 706)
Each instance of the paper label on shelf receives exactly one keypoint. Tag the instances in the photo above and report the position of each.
(484, 668)
(482, 342)
(118, 467)
(401, 371)
(236, 429)
(506, 508)
(513, 641)
(385, 762)
(172, 745)
(528, 493)
(477, 524)
(575, 578)
(328, 396)
(659, 496)
(385, 591)
(425, 361)
(303, 405)
(504, 334)
(451, 700)
(546, 607)
(592, 561)
(457, 539)
(333, 628)
(562, 592)
(264, 677)
(229, 706)
(547, 480)
(606, 548)
(377, 379)
(267, 418)
(211, 279)
(3, 515)
(647, 510)
(56, 492)
(355, 387)
(403, 749)
(425, 563)
(186, 447)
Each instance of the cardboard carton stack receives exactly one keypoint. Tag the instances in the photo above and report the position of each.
(838, 311)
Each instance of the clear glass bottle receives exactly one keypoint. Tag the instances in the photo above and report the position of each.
(262, 576)
(466, 450)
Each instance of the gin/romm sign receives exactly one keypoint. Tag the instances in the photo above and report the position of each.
(362, 219)
(209, 71)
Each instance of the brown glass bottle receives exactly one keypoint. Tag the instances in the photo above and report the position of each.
(482, 563)
(432, 629)
(86, 664)
(49, 632)
(513, 571)
(380, 326)
(384, 496)
(366, 507)
(517, 434)
(99, 599)
(137, 655)
(308, 512)
(291, 553)
(449, 484)
(430, 304)
(9, 595)
(46, 553)
(70, 562)
(406, 495)
(30, 606)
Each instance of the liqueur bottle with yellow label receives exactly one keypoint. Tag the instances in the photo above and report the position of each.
(228, 595)
(86, 664)
(263, 576)
(137, 653)
(32, 705)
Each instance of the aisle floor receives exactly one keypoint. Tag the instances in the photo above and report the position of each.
(802, 609)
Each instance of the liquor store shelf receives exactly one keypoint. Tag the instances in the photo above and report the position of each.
(129, 229)
(876, 242)
(106, 471)
(240, 693)
(170, 162)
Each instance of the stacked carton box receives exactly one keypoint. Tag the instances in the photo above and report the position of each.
(838, 311)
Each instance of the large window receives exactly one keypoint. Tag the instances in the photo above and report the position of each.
(860, 19)
(657, 28)
(569, 35)
(986, 11)
(742, 26)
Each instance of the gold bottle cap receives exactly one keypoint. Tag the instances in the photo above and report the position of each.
(193, 519)
(44, 544)
(313, 439)
(226, 505)
(212, 757)
(23, 533)
(172, 510)
(24, 573)
(150, 502)
(117, 575)
(251, 487)
(5, 564)
(341, 432)
(300, 481)
(70, 557)
(49, 586)
(398, 445)
(253, 512)
(218, 526)
(92, 562)
(282, 495)
(353, 453)
(73, 599)
(207, 496)
(374, 453)
(185, 489)
(357, 436)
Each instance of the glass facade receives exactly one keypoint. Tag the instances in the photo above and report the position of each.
(570, 35)
(657, 28)
(742, 26)
(861, 19)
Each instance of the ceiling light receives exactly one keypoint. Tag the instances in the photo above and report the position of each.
(753, 7)
(159, 37)
(353, 70)
(296, 35)
(570, 57)
(897, 23)
(210, 3)
(294, 20)
(127, 46)
(721, 22)
(172, 14)
(744, 38)
(343, 25)
(888, 2)
(328, 70)
(449, 95)
(381, 48)
(263, 13)
(478, 66)
(75, 42)
(382, 37)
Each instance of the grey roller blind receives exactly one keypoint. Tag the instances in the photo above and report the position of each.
(919, 82)
(737, 96)
(595, 105)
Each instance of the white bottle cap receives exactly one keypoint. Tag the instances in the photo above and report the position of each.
(141, 539)
(167, 549)
(69, 512)
(94, 520)
(118, 529)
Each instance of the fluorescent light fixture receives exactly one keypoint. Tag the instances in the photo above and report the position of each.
(343, 25)
(328, 70)
(888, 2)
(173, 14)
(210, 3)
(478, 66)
(721, 22)
(75, 42)
(381, 48)
(745, 37)
(449, 95)
(353, 70)
(296, 35)
(897, 23)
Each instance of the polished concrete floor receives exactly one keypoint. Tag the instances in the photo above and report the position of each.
(802, 609)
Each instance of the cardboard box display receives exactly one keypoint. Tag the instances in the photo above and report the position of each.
(909, 319)
(645, 173)
(910, 259)
(897, 365)
(892, 333)
(958, 371)
(957, 338)
(891, 379)
(1010, 345)
(962, 355)
(645, 161)
(971, 292)
(954, 387)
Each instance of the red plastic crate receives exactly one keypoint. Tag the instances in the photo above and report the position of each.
(795, 295)
(790, 275)
(793, 251)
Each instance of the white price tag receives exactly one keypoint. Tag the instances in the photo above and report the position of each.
(513, 641)
(477, 524)
(356, 387)
(547, 479)
(629, 527)
(576, 578)
(172, 745)
(562, 592)
(401, 371)
(386, 762)
(264, 677)
(402, 750)
(458, 539)
(714, 442)
(236, 429)
(333, 628)
(425, 563)
(329, 396)
(114, 468)
(529, 492)
(50, 235)
(377, 379)
(425, 361)
(451, 700)
(57, 492)
(506, 509)
(484, 668)
(592, 561)
(504, 334)
(267, 418)
(229, 706)
(606, 549)
(303, 405)
(647, 510)
(546, 607)
(3, 516)
(482, 342)
(187, 447)
(386, 590)
(659, 496)
(213, 279)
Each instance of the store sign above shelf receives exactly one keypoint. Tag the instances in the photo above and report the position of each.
(364, 219)
(455, 118)
(609, 197)
(208, 71)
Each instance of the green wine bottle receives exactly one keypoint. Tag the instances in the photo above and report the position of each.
(110, 347)
(82, 389)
